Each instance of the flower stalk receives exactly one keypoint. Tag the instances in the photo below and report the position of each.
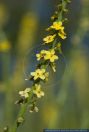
(46, 58)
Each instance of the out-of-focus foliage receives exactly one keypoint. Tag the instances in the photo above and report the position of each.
(66, 101)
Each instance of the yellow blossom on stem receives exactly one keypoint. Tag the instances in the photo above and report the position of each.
(39, 73)
(50, 55)
(62, 34)
(39, 93)
(49, 39)
(40, 55)
(57, 25)
(25, 93)
(47, 55)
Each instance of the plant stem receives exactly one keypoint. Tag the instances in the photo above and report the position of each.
(21, 114)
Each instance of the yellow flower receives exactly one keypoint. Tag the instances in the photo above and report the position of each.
(39, 93)
(62, 34)
(49, 39)
(50, 55)
(39, 73)
(40, 55)
(57, 25)
(25, 93)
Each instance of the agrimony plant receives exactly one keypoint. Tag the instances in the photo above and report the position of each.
(47, 59)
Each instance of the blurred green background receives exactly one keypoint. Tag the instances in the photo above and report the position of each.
(66, 101)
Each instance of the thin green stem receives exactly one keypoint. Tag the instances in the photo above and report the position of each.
(21, 114)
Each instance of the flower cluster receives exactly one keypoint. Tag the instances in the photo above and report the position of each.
(47, 55)
(46, 58)
(58, 28)
(37, 91)
(40, 74)
(58, 25)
